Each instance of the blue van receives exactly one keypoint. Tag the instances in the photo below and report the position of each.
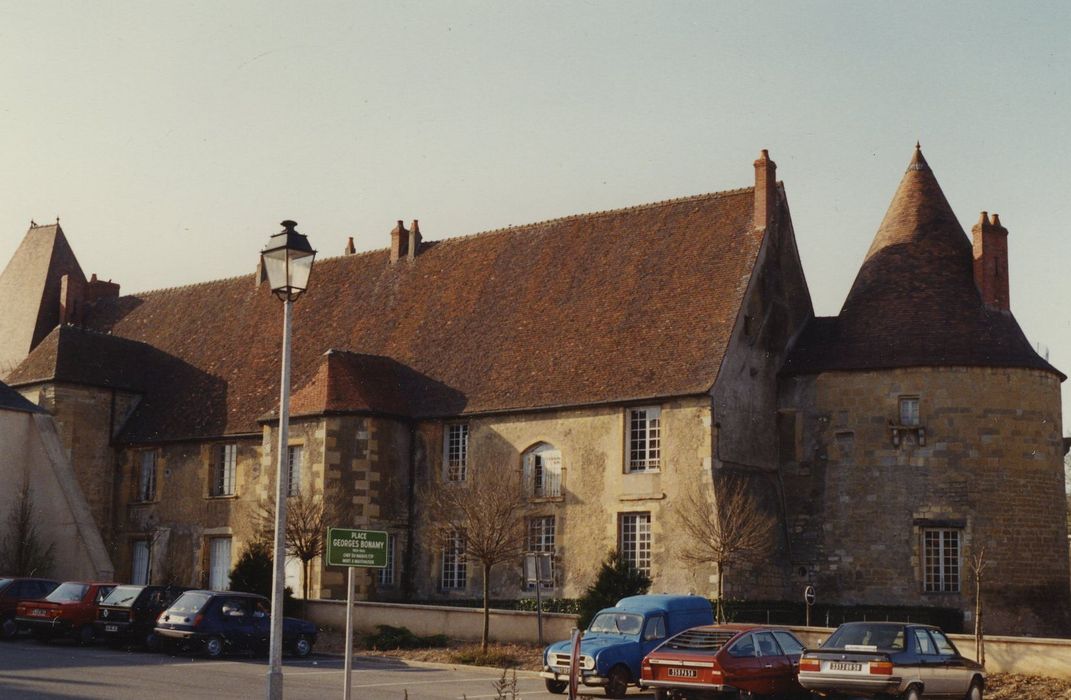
(619, 637)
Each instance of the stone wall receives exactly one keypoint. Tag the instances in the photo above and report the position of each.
(987, 463)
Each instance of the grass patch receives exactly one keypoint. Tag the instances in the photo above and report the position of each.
(494, 656)
(387, 637)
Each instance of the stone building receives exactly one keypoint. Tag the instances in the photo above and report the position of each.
(612, 359)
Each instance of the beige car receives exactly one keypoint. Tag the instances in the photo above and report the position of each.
(890, 659)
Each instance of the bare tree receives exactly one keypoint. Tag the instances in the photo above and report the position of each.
(23, 552)
(977, 563)
(487, 509)
(307, 518)
(724, 526)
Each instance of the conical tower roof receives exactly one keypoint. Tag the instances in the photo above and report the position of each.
(30, 288)
(915, 301)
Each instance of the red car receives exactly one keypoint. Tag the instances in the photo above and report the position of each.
(70, 610)
(15, 590)
(744, 661)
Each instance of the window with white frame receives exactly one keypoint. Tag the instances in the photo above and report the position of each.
(386, 574)
(224, 461)
(146, 485)
(644, 438)
(455, 570)
(634, 540)
(219, 563)
(940, 558)
(909, 410)
(139, 563)
(543, 471)
(541, 540)
(294, 454)
(456, 451)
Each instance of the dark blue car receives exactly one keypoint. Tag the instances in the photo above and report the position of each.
(215, 622)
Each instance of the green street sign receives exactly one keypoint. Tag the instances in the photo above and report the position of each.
(356, 548)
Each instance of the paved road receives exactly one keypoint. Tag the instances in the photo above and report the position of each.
(31, 670)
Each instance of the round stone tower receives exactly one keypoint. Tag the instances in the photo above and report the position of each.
(928, 431)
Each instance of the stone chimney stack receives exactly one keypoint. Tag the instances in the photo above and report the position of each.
(99, 289)
(765, 190)
(399, 242)
(350, 250)
(991, 261)
(414, 239)
(72, 299)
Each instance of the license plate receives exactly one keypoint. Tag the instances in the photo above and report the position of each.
(111, 628)
(845, 666)
(682, 672)
(39, 612)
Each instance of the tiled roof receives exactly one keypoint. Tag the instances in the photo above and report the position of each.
(30, 288)
(11, 400)
(614, 306)
(75, 355)
(914, 301)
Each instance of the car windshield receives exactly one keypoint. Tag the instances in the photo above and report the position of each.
(68, 593)
(123, 596)
(878, 636)
(190, 602)
(616, 623)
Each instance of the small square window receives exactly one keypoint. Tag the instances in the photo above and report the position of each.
(909, 410)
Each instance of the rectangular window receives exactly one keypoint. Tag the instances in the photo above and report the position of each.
(147, 476)
(909, 410)
(455, 570)
(139, 563)
(541, 539)
(634, 540)
(644, 439)
(219, 563)
(456, 451)
(940, 556)
(224, 460)
(386, 574)
(293, 469)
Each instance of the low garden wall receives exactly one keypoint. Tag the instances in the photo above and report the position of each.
(1040, 657)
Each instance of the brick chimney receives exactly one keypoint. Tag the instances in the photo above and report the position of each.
(991, 261)
(399, 242)
(350, 249)
(99, 289)
(414, 239)
(765, 190)
(72, 299)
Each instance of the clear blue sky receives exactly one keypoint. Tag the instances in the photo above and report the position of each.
(171, 138)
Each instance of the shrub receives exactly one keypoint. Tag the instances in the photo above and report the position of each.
(617, 579)
(253, 573)
(387, 637)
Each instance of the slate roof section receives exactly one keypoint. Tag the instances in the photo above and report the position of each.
(11, 400)
(75, 355)
(30, 288)
(614, 306)
(914, 302)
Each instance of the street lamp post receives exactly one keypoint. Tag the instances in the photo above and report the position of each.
(287, 260)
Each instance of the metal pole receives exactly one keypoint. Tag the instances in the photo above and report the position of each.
(349, 633)
(275, 672)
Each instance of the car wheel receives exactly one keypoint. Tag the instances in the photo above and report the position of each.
(556, 687)
(85, 635)
(151, 642)
(661, 694)
(975, 693)
(8, 629)
(213, 647)
(301, 647)
(617, 682)
(911, 693)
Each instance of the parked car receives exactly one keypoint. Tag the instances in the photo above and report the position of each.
(220, 621)
(128, 615)
(725, 661)
(619, 637)
(69, 610)
(14, 590)
(897, 659)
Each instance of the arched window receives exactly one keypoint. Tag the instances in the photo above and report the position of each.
(542, 471)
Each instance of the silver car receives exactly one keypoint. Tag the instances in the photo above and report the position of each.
(897, 659)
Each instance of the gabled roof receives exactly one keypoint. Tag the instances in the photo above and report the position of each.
(75, 355)
(615, 306)
(30, 288)
(915, 301)
(11, 400)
